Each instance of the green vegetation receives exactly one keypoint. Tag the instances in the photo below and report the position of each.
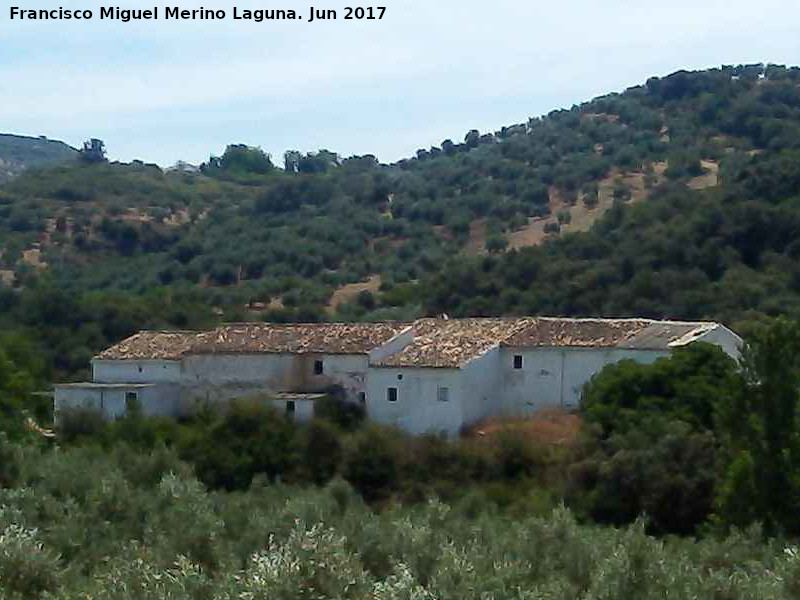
(700, 171)
(726, 252)
(84, 523)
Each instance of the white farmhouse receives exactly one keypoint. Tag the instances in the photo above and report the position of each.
(430, 375)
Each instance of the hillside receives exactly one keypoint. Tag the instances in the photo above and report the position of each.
(18, 153)
(679, 195)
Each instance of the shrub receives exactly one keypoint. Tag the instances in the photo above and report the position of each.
(75, 424)
(344, 414)
(552, 228)
(321, 452)
(26, 566)
(370, 464)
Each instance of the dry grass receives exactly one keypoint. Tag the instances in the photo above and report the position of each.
(549, 427)
(708, 179)
(476, 243)
(33, 257)
(583, 217)
(348, 292)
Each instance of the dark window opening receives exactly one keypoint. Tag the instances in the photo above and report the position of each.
(400, 377)
(290, 408)
(362, 398)
(517, 361)
(391, 394)
(443, 394)
(131, 400)
(317, 367)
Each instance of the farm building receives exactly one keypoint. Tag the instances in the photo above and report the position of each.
(429, 375)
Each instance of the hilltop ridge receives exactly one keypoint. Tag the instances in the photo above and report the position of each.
(20, 152)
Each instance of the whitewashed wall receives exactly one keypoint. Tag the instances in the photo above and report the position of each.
(725, 339)
(418, 409)
(136, 371)
(155, 400)
(219, 378)
(303, 409)
(554, 377)
(482, 392)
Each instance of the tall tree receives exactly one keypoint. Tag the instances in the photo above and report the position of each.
(761, 433)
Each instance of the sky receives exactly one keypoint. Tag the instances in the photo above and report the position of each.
(162, 91)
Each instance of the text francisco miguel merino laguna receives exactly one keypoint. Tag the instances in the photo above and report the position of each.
(177, 13)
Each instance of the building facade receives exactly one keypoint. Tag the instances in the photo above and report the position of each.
(430, 375)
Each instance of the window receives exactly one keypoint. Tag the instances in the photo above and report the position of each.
(362, 398)
(400, 377)
(443, 394)
(391, 394)
(131, 401)
(317, 367)
(518, 361)
(290, 408)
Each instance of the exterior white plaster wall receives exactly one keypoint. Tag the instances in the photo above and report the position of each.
(397, 343)
(418, 408)
(216, 378)
(725, 339)
(136, 371)
(155, 400)
(554, 377)
(303, 409)
(482, 393)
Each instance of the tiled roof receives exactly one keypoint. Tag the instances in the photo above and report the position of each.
(604, 333)
(256, 338)
(300, 338)
(447, 343)
(155, 345)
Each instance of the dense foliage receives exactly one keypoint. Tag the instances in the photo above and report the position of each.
(87, 523)
(245, 232)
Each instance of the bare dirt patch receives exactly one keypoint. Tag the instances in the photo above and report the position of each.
(581, 216)
(551, 427)
(33, 257)
(348, 292)
(178, 218)
(476, 243)
(7, 277)
(708, 179)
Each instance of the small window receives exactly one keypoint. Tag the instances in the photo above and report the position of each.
(362, 398)
(391, 394)
(290, 408)
(518, 361)
(131, 400)
(443, 394)
(400, 377)
(317, 367)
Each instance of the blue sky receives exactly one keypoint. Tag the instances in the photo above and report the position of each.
(162, 91)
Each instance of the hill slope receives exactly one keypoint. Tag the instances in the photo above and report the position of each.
(680, 194)
(18, 153)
